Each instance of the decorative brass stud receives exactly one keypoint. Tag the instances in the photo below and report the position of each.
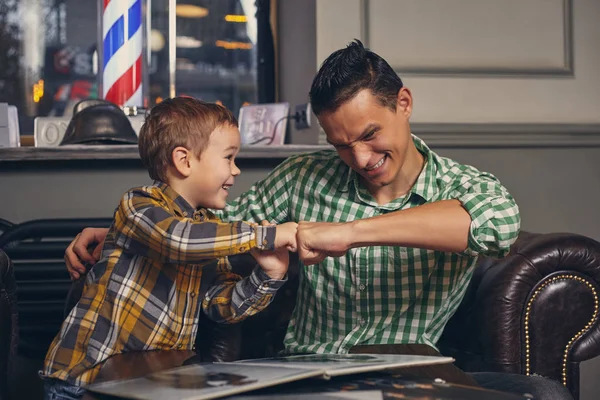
(574, 338)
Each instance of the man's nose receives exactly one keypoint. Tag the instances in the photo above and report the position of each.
(361, 155)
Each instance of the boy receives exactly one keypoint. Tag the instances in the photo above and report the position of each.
(144, 293)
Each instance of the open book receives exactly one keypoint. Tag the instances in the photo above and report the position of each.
(214, 380)
(345, 364)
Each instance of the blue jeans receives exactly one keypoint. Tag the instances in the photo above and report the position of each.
(55, 389)
(541, 388)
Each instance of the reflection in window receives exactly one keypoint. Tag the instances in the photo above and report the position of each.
(48, 53)
(216, 51)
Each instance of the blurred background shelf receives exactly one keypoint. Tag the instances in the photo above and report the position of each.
(130, 152)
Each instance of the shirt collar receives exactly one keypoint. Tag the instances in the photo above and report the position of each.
(184, 208)
(423, 187)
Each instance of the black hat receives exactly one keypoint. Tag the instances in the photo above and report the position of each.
(99, 122)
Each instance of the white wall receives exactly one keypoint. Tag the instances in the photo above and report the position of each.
(527, 70)
(518, 61)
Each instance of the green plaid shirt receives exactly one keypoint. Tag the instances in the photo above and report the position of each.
(379, 294)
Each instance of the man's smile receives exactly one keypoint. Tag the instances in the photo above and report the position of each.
(377, 167)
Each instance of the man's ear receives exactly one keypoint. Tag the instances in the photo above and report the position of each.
(181, 158)
(404, 102)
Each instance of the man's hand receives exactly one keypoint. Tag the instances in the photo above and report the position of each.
(77, 253)
(317, 240)
(285, 236)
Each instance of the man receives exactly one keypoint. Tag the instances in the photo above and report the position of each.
(394, 230)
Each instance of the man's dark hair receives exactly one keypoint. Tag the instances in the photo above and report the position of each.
(348, 71)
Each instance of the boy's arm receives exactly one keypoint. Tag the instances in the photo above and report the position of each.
(232, 299)
(145, 227)
(266, 200)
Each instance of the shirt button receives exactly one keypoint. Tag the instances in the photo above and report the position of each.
(180, 346)
(194, 347)
(362, 287)
(193, 294)
(242, 249)
(362, 321)
(265, 285)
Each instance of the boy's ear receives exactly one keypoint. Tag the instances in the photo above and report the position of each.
(182, 158)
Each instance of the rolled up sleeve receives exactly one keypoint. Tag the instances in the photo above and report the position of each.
(495, 219)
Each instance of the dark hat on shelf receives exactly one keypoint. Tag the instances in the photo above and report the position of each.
(97, 122)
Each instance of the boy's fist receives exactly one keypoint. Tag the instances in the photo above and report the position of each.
(285, 236)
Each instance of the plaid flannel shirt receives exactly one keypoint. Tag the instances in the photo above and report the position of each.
(379, 294)
(144, 292)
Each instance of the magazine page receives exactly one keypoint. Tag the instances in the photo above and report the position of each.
(386, 387)
(353, 395)
(202, 381)
(343, 364)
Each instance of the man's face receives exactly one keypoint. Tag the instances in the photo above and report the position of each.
(370, 138)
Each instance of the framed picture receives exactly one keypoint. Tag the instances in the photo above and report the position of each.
(264, 124)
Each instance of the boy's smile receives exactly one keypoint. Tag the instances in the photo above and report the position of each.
(213, 174)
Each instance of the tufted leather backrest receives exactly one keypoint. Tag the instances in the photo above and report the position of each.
(37, 250)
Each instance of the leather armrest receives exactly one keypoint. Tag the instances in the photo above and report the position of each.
(535, 311)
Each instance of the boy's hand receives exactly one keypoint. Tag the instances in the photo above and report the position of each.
(274, 263)
(285, 236)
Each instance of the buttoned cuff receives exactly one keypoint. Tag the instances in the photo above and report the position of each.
(265, 237)
(263, 283)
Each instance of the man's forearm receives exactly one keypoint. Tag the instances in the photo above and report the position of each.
(443, 226)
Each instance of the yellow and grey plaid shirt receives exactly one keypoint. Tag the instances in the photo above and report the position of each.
(144, 292)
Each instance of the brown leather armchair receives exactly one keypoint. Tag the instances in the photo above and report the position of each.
(532, 312)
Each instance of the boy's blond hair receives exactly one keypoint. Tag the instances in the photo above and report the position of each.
(180, 121)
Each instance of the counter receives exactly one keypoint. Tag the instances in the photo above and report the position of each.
(130, 152)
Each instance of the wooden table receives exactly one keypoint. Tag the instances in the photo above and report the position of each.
(132, 365)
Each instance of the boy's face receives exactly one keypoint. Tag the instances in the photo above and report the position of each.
(213, 174)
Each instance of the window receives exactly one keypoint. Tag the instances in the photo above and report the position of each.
(223, 53)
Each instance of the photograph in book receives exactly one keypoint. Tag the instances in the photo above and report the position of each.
(344, 364)
(387, 386)
(338, 395)
(201, 381)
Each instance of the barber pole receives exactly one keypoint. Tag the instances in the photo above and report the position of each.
(122, 52)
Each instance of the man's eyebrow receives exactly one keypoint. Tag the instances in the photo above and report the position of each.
(368, 129)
